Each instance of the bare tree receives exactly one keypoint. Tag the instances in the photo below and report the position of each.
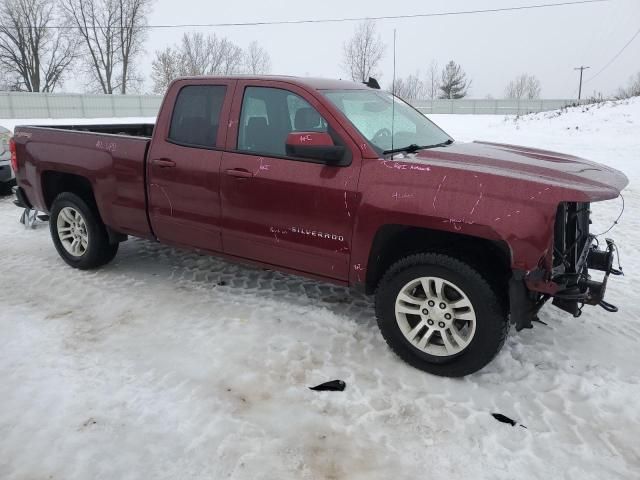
(363, 52)
(453, 81)
(257, 60)
(523, 86)
(409, 88)
(516, 87)
(193, 54)
(432, 83)
(210, 55)
(32, 55)
(112, 33)
(197, 55)
(632, 89)
(164, 69)
(8, 82)
(97, 24)
(226, 57)
(132, 20)
(534, 88)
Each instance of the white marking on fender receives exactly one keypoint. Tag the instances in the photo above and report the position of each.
(438, 191)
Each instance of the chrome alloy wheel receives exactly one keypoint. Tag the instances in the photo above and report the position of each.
(72, 231)
(435, 316)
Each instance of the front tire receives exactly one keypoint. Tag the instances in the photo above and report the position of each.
(78, 233)
(440, 315)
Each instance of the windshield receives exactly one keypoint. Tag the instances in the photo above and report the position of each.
(370, 111)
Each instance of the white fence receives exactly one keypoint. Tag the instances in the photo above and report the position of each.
(62, 105)
(490, 107)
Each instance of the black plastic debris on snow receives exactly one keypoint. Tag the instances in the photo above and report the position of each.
(332, 386)
(536, 319)
(504, 419)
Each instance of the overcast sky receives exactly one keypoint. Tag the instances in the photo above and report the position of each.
(492, 47)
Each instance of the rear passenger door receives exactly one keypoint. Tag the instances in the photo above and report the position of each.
(281, 210)
(183, 167)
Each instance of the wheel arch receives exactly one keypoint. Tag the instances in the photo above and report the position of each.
(393, 242)
(54, 183)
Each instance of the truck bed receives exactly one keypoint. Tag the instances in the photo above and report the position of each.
(131, 129)
(110, 157)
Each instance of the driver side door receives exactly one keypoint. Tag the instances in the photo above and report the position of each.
(281, 210)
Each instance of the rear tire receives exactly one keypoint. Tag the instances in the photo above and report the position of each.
(78, 233)
(440, 315)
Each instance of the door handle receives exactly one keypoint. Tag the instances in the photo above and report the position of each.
(239, 173)
(163, 162)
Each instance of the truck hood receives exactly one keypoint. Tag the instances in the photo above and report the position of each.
(589, 180)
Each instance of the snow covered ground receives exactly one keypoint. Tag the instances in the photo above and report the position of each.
(168, 364)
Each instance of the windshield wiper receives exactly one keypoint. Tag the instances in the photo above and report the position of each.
(409, 149)
(443, 144)
(413, 148)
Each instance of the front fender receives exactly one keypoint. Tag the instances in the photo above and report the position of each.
(519, 213)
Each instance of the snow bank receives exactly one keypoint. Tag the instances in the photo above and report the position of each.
(608, 132)
(168, 364)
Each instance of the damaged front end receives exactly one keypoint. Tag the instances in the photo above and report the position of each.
(568, 280)
(575, 251)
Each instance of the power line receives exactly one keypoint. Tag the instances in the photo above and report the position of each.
(615, 56)
(354, 19)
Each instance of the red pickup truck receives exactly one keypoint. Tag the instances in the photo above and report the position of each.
(343, 183)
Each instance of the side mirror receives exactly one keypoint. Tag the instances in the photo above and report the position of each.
(315, 146)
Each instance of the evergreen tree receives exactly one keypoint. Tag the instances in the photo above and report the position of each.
(454, 83)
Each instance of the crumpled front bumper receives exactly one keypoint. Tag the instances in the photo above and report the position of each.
(565, 270)
(570, 290)
(586, 291)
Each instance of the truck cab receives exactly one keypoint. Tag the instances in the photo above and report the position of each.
(223, 177)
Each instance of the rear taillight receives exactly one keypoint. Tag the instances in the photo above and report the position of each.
(14, 157)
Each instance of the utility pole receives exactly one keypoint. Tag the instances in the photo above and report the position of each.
(581, 68)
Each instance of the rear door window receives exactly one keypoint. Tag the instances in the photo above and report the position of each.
(196, 116)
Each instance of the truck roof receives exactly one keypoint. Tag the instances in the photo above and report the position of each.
(314, 83)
